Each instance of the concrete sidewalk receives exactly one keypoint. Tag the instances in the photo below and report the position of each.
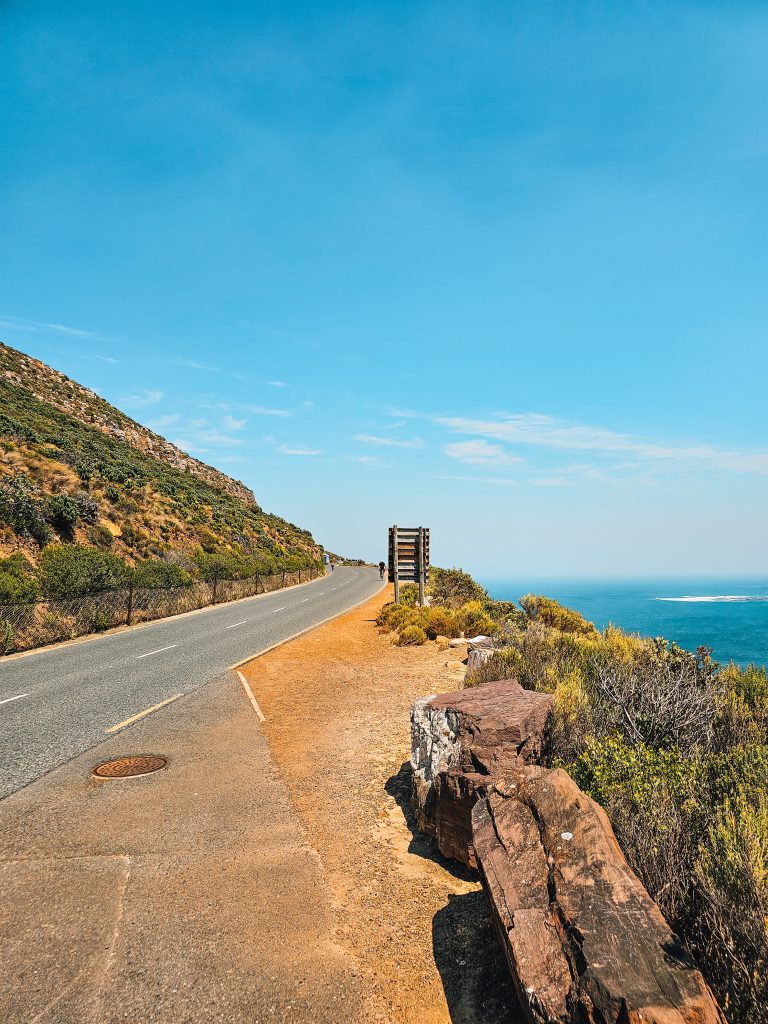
(185, 896)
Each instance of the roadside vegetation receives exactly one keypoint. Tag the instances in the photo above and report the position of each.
(673, 745)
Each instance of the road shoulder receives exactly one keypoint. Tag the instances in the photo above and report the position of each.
(336, 705)
(189, 895)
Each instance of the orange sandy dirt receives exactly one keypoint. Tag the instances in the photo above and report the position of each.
(337, 704)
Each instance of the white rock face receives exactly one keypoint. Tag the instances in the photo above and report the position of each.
(434, 739)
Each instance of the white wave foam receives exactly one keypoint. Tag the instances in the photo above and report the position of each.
(709, 598)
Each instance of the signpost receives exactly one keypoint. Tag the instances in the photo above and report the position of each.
(408, 557)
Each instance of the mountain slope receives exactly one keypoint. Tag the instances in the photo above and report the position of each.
(75, 468)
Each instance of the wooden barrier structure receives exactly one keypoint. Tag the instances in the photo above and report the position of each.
(409, 557)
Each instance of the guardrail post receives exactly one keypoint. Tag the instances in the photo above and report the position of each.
(215, 587)
(257, 583)
(299, 575)
(129, 616)
(283, 578)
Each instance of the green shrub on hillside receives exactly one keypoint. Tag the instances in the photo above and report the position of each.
(72, 570)
(63, 511)
(23, 508)
(17, 580)
(154, 572)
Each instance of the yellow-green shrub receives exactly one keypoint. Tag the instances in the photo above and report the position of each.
(475, 620)
(442, 622)
(411, 636)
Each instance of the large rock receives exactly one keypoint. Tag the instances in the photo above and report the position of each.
(479, 650)
(460, 742)
(584, 941)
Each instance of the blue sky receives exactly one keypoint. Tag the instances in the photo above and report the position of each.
(495, 268)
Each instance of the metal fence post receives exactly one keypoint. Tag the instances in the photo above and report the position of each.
(299, 575)
(283, 577)
(215, 587)
(129, 616)
(257, 583)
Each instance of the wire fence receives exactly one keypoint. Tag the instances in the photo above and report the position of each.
(26, 626)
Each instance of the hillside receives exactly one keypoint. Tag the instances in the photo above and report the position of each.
(73, 468)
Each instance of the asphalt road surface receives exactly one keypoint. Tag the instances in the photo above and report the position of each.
(57, 703)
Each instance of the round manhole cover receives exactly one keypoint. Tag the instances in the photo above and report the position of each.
(130, 767)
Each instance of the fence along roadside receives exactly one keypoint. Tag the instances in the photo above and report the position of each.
(26, 626)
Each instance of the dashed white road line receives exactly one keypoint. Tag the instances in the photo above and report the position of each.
(158, 651)
(237, 624)
(142, 714)
(275, 610)
(17, 697)
(303, 600)
(251, 698)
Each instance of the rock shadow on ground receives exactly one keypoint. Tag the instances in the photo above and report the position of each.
(472, 968)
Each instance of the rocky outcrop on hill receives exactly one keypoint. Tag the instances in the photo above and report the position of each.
(460, 742)
(583, 938)
(85, 405)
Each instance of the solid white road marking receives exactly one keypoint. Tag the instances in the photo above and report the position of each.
(141, 714)
(252, 699)
(158, 651)
(237, 624)
(17, 697)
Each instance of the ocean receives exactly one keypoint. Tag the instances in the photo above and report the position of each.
(730, 616)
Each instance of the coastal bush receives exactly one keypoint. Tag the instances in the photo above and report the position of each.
(72, 570)
(453, 588)
(546, 610)
(63, 511)
(470, 618)
(23, 508)
(18, 584)
(155, 572)
(743, 711)
(474, 620)
(100, 536)
(411, 636)
(730, 935)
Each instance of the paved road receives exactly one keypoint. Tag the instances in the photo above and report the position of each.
(54, 704)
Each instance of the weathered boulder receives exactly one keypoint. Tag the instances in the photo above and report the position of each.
(479, 650)
(460, 742)
(584, 940)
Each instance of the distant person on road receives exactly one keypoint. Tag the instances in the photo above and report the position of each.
(333, 566)
(382, 567)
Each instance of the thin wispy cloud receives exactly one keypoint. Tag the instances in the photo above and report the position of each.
(192, 364)
(550, 481)
(233, 424)
(286, 449)
(496, 481)
(141, 399)
(160, 422)
(277, 383)
(15, 323)
(480, 453)
(550, 432)
(388, 442)
(245, 407)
